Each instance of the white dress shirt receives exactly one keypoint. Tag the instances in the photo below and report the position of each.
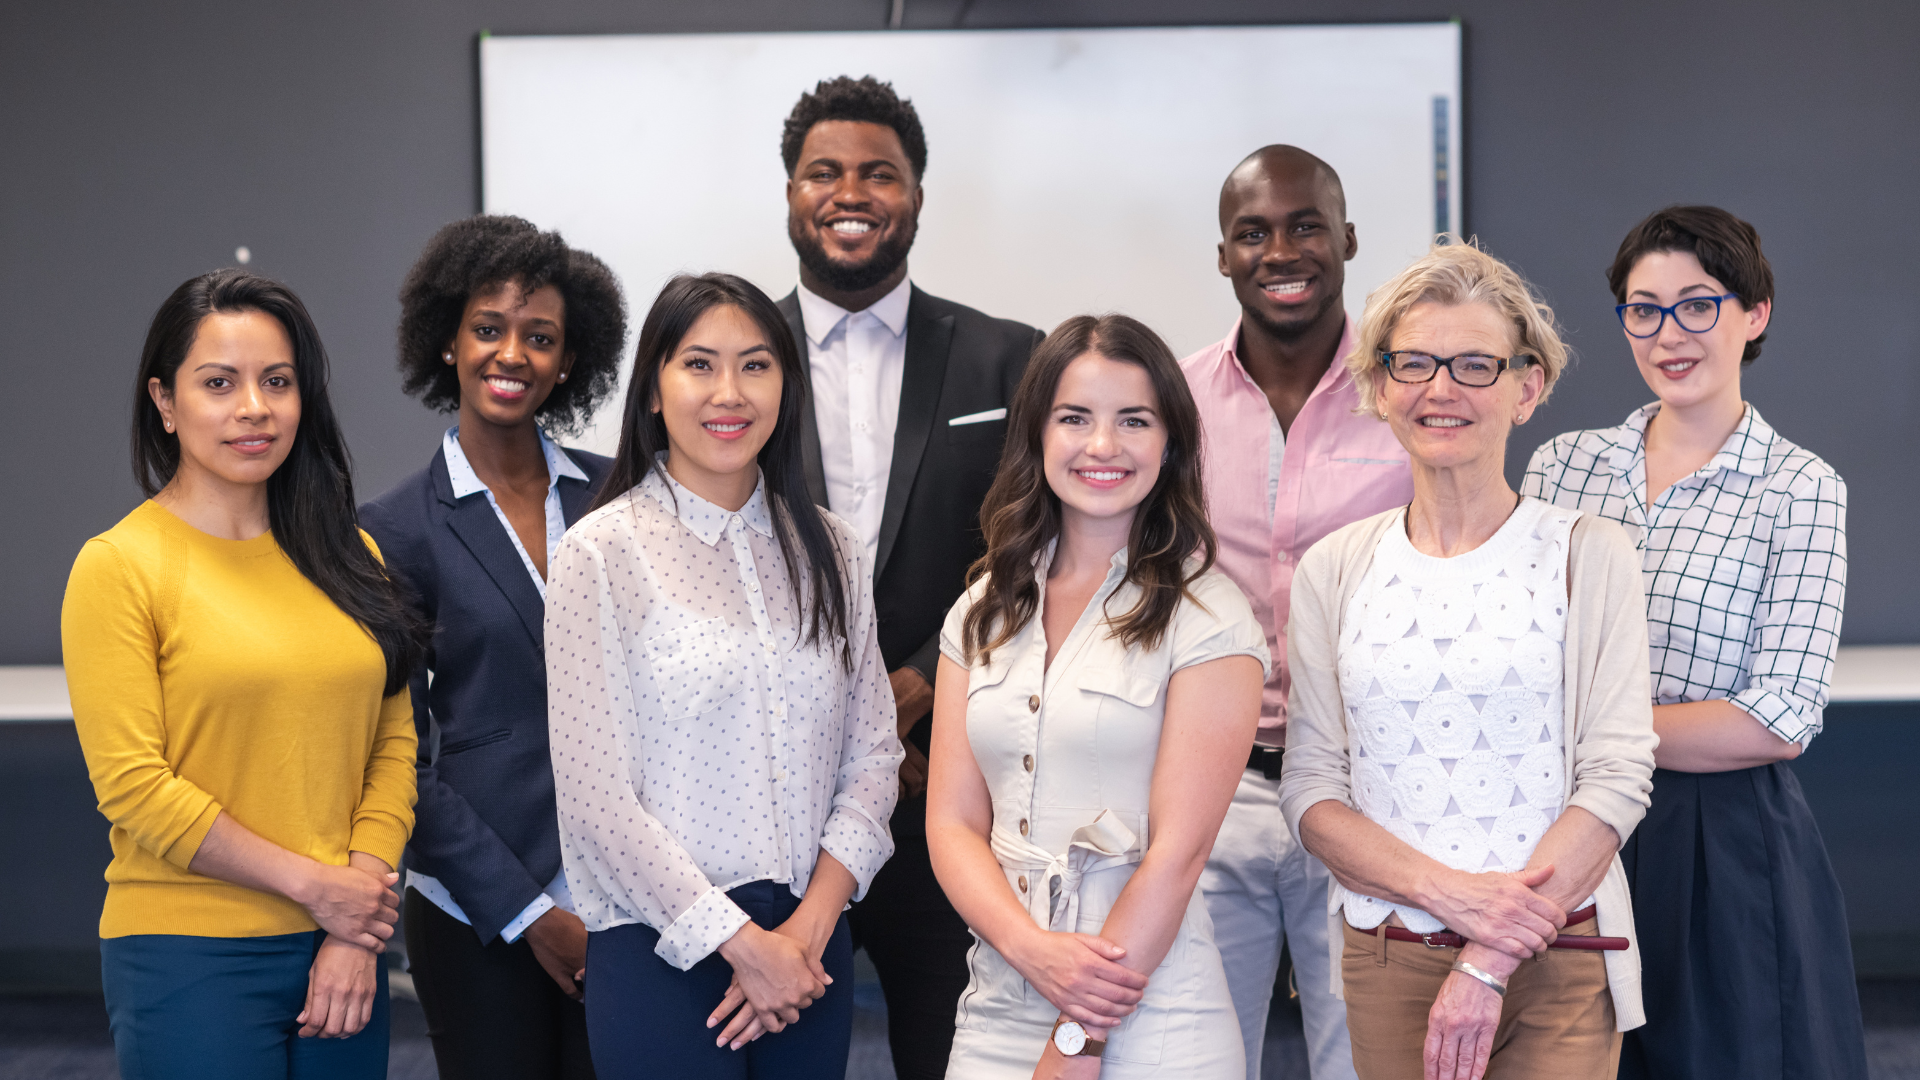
(698, 742)
(856, 359)
(467, 482)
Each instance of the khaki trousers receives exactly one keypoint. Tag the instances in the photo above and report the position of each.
(1556, 1021)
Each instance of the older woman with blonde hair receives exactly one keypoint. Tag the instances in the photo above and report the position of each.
(1471, 741)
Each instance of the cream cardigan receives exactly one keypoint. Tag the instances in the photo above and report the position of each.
(1609, 710)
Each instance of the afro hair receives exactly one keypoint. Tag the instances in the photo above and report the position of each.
(865, 99)
(488, 250)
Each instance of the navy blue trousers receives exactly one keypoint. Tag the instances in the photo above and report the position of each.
(205, 1008)
(647, 1018)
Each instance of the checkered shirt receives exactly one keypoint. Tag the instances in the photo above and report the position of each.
(1746, 563)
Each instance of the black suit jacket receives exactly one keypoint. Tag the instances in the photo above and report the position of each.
(485, 823)
(959, 362)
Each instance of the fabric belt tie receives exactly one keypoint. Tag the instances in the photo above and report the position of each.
(1053, 881)
(1447, 939)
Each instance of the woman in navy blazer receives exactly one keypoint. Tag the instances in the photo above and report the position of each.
(519, 334)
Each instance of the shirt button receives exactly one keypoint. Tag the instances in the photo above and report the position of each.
(1023, 826)
(1028, 762)
(1023, 884)
(1033, 703)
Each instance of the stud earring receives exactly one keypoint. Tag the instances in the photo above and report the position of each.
(563, 376)
(447, 356)
(169, 424)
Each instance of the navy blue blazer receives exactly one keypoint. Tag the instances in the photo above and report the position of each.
(485, 824)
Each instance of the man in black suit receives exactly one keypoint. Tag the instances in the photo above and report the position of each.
(910, 400)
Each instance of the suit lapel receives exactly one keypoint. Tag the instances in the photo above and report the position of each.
(473, 520)
(576, 495)
(929, 338)
(816, 473)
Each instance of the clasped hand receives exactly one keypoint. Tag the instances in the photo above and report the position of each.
(1500, 911)
(1081, 975)
(359, 907)
(776, 973)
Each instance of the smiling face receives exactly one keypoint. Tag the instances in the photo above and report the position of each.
(509, 350)
(1445, 425)
(1687, 369)
(235, 404)
(1285, 242)
(853, 204)
(1104, 440)
(719, 396)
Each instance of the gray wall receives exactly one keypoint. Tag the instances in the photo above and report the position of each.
(143, 142)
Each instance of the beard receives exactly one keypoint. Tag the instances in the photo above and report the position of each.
(1291, 329)
(852, 277)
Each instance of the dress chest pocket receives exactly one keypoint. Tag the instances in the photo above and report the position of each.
(697, 669)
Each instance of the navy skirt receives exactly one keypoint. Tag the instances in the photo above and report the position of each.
(1747, 967)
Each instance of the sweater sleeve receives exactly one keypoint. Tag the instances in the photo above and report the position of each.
(1317, 766)
(384, 818)
(1613, 723)
(111, 650)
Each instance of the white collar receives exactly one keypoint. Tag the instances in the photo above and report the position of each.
(467, 482)
(820, 316)
(703, 519)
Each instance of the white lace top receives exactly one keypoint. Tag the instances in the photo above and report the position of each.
(1452, 670)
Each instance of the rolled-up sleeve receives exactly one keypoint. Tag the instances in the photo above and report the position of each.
(111, 653)
(607, 837)
(1796, 633)
(1317, 766)
(867, 786)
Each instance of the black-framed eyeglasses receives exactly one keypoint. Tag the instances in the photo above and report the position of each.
(1695, 315)
(1467, 369)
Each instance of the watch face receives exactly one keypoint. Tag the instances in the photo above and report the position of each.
(1070, 1038)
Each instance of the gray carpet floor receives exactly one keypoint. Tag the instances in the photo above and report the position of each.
(64, 1037)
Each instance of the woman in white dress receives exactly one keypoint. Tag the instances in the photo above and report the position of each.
(1098, 690)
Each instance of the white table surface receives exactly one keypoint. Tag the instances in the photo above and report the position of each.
(1865, 673)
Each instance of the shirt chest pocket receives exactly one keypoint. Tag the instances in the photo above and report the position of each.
(697, 669)
(1126, 711)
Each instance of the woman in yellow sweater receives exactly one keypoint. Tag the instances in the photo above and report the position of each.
(237, 658)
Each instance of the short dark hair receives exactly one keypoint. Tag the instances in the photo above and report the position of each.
(867, 100)
(484, 252)
(310, 505)
(1727, 247)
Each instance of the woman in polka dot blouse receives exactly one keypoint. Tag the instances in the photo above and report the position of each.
(722, 728)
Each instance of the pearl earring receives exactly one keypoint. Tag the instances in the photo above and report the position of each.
(563, 376)
(447, 356)
(169, 424)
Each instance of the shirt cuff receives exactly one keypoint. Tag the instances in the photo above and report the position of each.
(511, 932)
(700, 930)
(181, 852)
(1782, 715)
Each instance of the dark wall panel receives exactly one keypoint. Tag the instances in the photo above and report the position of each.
(143, 143)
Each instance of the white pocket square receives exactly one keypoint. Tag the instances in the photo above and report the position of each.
(978, 417)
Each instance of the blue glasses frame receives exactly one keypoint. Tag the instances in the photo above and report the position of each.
(1673, 312)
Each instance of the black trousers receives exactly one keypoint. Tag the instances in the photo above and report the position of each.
(918, 945)
(492, 1010)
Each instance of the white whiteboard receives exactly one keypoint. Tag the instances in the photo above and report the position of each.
(1067, 171)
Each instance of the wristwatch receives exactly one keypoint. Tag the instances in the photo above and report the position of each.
(1071, 1040)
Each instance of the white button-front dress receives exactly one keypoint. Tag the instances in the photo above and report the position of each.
(1067, 752)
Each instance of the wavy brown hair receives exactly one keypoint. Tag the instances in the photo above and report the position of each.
(1022, 514)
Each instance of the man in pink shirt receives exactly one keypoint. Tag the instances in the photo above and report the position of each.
(1287, 461)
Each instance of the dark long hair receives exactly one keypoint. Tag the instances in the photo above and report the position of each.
(1021, 515)
(643, 438)
(310, 504)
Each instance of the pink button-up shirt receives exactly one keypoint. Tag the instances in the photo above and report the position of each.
(1339, 467)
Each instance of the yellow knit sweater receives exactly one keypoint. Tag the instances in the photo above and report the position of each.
(210, 675)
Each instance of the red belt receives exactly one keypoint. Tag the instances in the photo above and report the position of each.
(1447, 939)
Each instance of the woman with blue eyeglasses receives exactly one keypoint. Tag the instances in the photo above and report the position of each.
(1748, 968)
